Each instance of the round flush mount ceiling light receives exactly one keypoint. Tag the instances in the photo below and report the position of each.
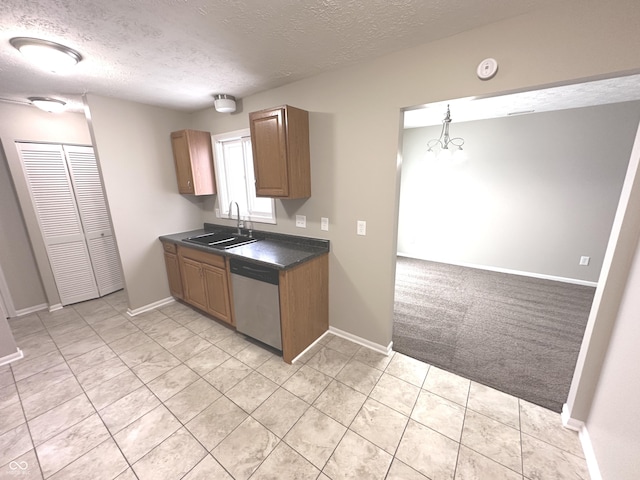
(224, 103)
(47, 55)
(47, 104)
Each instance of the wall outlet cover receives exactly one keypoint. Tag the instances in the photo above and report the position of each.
(324, 224)
(361, 228)
(301, 221)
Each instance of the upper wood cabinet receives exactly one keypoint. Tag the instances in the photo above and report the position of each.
(193, 157)
(280, 145)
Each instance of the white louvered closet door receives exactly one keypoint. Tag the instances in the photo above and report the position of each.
(51, 192)
(95, 217)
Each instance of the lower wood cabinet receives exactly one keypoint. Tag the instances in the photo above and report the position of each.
(173, 270)
(195, 291)
(304, 305)
(202, 280)
(205, 282)
(216, 284)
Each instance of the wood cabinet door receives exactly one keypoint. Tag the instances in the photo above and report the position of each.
(217, 292)
(193, 283)
(173, 274)
(182, 159)
(269, 147)
(193, 157)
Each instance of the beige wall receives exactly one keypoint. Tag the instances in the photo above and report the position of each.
(538, 192)
(8, 346)
(25, 265)
(134, 153)
(355, 131)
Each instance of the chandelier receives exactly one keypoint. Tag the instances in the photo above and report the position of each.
(446, 148)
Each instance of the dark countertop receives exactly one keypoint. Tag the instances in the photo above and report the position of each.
(272, 249)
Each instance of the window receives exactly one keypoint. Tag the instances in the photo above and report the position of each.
(235, 178)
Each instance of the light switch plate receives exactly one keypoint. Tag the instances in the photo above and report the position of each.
(301, 221)
(324, 224)
(361, 227)
(584, 261)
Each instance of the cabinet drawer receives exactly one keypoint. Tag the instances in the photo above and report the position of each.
(170, 247)
(204, 257)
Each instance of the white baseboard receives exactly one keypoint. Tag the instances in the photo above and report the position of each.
(57, 306)
(587, 447)
(568, 422)
(151, 306)
(589, 454)
(12, 357)
(29, 310)
(362, 341)
(348, 336)
(309, 347)
(574, 281)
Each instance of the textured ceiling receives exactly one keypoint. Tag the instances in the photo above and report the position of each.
(177, 53)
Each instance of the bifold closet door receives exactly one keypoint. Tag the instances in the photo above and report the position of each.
(94, 215)
(47, 176)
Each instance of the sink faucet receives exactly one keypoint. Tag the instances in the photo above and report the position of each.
(238, 213)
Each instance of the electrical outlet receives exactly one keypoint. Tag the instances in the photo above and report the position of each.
(301, 221)
(361, 227)
(584, 261)
(324, 224)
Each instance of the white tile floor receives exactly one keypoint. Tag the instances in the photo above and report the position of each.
(172, 394)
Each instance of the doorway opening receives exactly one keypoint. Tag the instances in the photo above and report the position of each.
(490, 249)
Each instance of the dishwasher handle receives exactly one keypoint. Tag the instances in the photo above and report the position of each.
(254, 271)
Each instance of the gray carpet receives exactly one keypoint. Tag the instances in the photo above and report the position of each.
(517, 334)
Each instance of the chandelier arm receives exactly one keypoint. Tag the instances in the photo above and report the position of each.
(433, 142)
(457, 142)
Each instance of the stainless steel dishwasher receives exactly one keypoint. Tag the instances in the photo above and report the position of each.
(256, 301)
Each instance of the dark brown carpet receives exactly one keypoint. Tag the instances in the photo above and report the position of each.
(518, 334)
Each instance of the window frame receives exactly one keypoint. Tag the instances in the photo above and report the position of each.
(246, 212)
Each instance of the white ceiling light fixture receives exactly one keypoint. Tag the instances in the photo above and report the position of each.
(224, 103)
(48, 55)
(47, 104)
(448, 148)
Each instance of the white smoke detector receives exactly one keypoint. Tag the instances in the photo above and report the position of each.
(487, 69)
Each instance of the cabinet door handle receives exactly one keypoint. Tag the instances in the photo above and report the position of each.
(188, 183)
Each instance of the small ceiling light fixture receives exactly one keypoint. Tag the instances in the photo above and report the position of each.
(224, 103)
(47, 55)
(47, 104)
(444, 142)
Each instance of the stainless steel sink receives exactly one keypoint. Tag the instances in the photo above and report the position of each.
(220, 240)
